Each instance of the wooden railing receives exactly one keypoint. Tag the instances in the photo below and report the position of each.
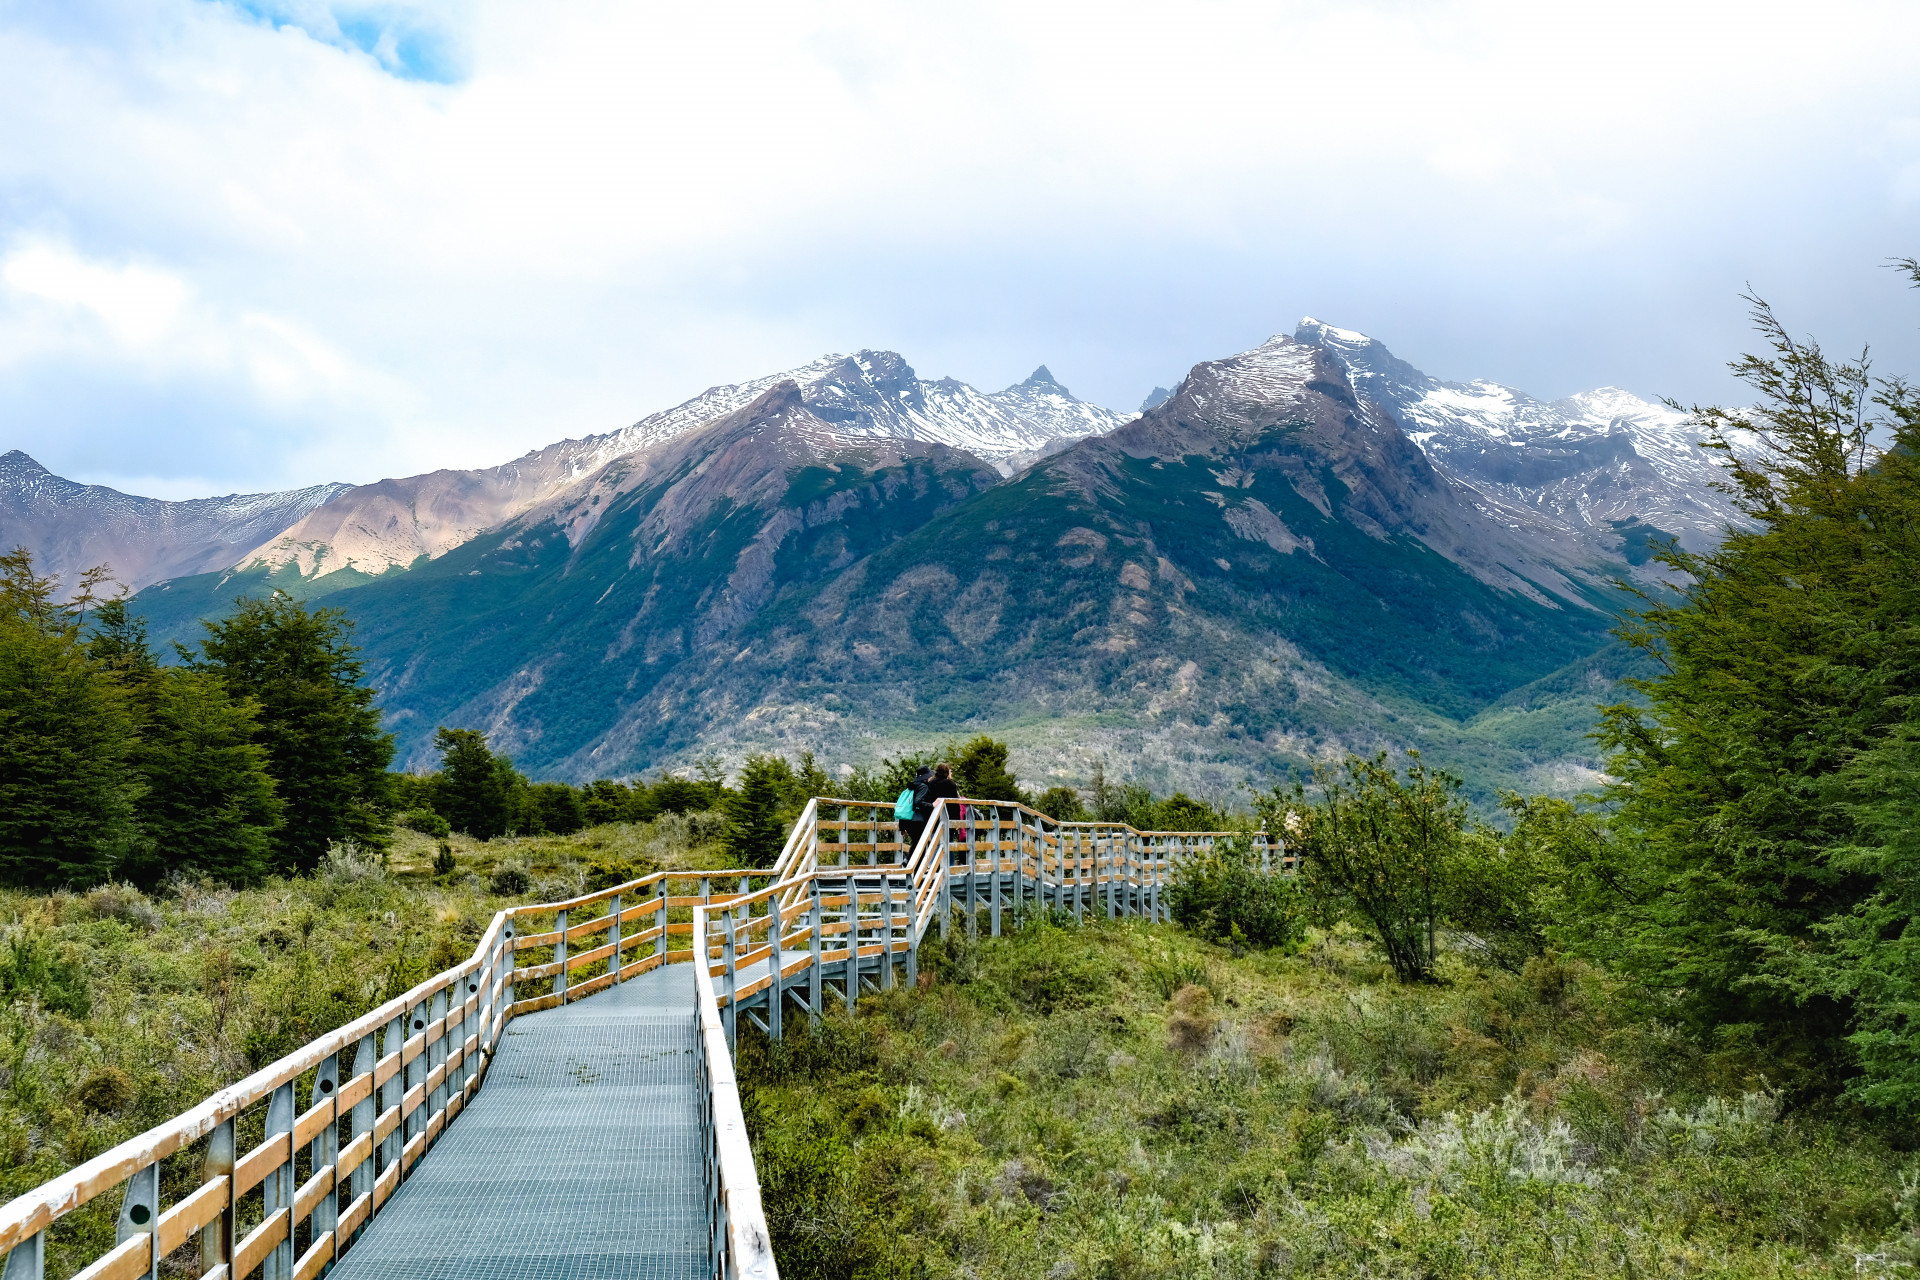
(847, 897)
(378, 1091)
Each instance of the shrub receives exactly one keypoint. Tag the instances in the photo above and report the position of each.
(509, 882)
(32, 968)
(443, 863)
(426, 822)
(106, 1091)
(1224, 895)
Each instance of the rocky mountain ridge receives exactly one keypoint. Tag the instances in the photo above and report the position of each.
(1603, 466)
(72, 527)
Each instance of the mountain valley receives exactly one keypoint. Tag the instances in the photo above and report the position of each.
(1307, 548)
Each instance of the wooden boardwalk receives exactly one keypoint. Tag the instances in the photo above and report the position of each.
(608, 1143)
(580, 1160)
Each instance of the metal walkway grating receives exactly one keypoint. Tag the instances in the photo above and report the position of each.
(579, 1160)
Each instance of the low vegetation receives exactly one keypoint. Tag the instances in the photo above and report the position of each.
(1128, 1100)
(120, 1009)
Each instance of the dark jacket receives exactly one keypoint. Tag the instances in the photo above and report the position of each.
(925, 796)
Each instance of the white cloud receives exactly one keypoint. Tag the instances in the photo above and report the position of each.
(136, 304)
(372, 238)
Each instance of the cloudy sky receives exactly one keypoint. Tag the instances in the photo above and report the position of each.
(251, 244)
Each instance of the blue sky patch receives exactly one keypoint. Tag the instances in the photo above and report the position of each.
(409, 41)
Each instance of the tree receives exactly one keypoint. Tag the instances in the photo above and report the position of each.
(1062, 803)
(754, 834)
(558, 808)
(471, 791)
(605, 800)
(1224, 895)
(67, 789)
(1379, 849)
(980, 769)
(1181, 812)
(1771, 896)
(210, 808)
(325, 751)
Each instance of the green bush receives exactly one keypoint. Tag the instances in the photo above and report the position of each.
(1225, 896)
(426, 822)
(31, 968)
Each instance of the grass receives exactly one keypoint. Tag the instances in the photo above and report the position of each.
(1082, 1103)
(119, 1010)
(1122, 1100)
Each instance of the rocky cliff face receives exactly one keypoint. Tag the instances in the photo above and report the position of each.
(71, 527)
(874, 394)
(1264, 568)
(1597, 467)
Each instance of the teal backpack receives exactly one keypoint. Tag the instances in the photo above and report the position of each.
(903, 807)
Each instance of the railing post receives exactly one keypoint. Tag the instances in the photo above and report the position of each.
(728, 956)
(816, 977)
(277, 1191)
(139, 1215)
(393, 1042)
(435, 1054)
(560, 958)
(945, 848)
(613, 936)
(504, 978)
(993, 887)
(325, 1147)
(660, 923)
(363, 1060)
(216, 1238)
(853, 941)
(913, 942)
(777, 993)
(28, 1259)
(1079, 870)
(413, 1073)
(886, 932)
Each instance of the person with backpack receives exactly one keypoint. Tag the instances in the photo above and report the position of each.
(913, 809)
(942, 787)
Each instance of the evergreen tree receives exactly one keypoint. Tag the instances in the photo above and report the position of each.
(67, 792)
(325, 751)
(1771, 897)
(558, 807)
(980, 769)
(210, 807)
(754, 833)
(472, 791)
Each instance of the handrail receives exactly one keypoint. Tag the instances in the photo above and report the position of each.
(737, 1235)
(436, 1041)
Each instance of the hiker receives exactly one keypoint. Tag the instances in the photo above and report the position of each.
(942, 787)
(913, 809)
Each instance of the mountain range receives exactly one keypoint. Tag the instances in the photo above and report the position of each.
(1306, 548)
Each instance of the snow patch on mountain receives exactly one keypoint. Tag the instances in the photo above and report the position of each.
(1592, 463)
(71, 527)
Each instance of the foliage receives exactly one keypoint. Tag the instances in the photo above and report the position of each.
(755, 833)
(325, 751)
(473, 790)
(210, 809)
(1766, 786)
(980, 770)
(1063, 803)
(425, 821)
(1287, 1115)
(1223, 895)
(1379, 848)
(67, 735)
(557, 808)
